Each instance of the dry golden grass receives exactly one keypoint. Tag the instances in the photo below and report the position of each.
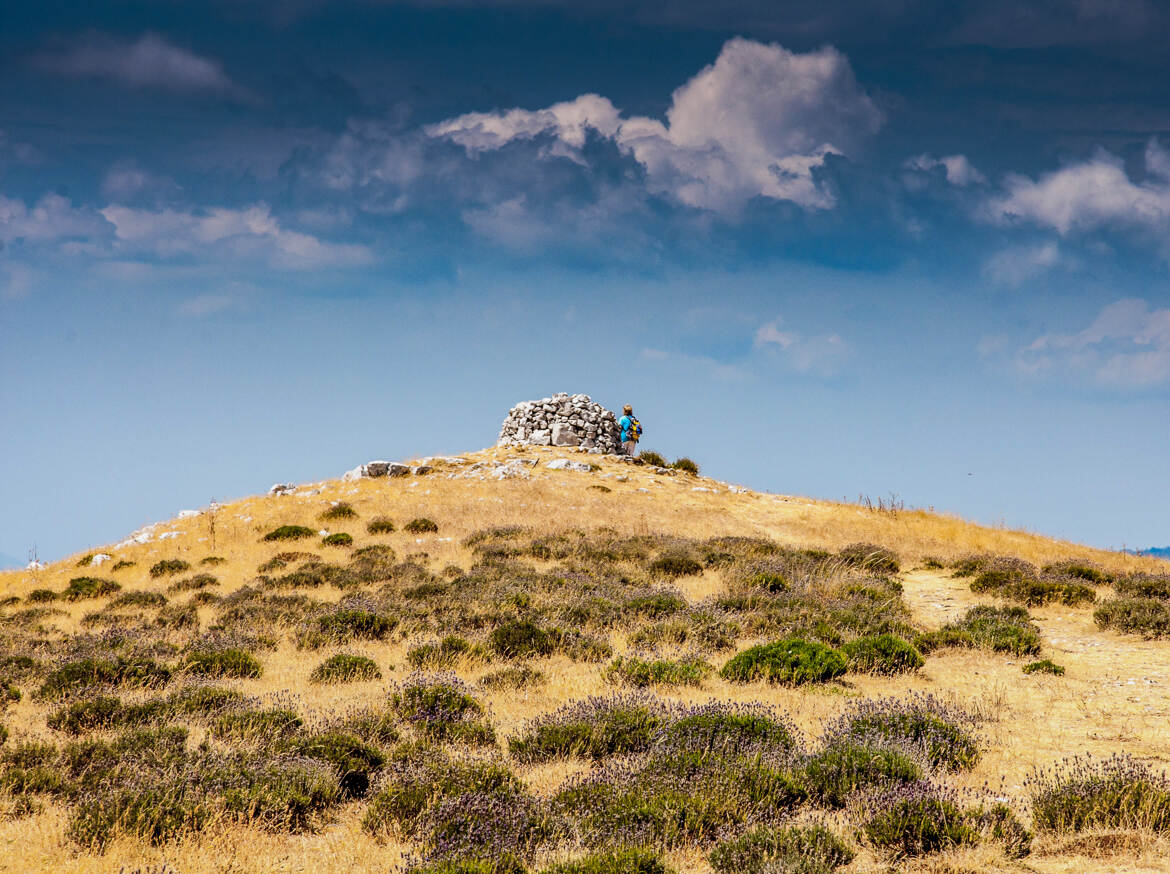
(1114, 696)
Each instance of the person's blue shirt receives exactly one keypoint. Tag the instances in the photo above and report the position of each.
(625, 424)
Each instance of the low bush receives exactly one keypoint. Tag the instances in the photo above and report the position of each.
(354, 761)
(213, 560)
(442, 654)
(628, 861)
(138, 599)
(512, 677)
(882, 654)
(686, 465)
(522, 639)
(380, 525)
(340, 510)
(1149, 617)
(836, 772)
(281, 795)
(876, 559)
(105, 711)
(1014, 585)
(1144, 586)
(86, 674)
(1000, 629)
(258, 726)
(792, 661)
(345, 668)
(1085, 793)
(289, 532)
(1080, 570)
(155, 811)
(84, 588)
(649, 456)
(718, 730)
(811, 849)
(339, 538)
(192, 584)
(168, 567)
(675, 564)
(41, 596)
(1044, 666)
(593, 728)
(938, 734)
(422, 525)
(122, 564)
(230, 662)
(634, 671)
(916, 819)
(354, 624)
(442, 708)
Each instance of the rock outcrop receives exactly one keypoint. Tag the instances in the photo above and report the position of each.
(562, 420)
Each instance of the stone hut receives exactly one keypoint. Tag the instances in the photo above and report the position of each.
(562, 420)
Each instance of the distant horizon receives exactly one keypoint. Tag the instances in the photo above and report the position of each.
(824, 248)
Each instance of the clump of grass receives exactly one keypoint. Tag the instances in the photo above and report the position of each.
(421, 525)
(882, 654)
(792, 661)
(380, 525)
(916, 819)
(832, 775)
(936, 733)
(41, 596)
(122, 564)
(1148, 617)
(876, 559)
(1144, 586)
(811, 849)
(193, 583)
(651, 457)
(1015, 585)
(1080, 570)
(522, 639)
(442, 708)
(85, 560)
(1000, 629)
(627, 861)
(213, 560)
(339, 538)
(84, 588)
(89, 673)
(442, 654)
(634, 671)
(168, 567)
(512, 677)
(289, 532)
(1044, 666)
(339, 510)
(1085, 793)
(345, 668)
(354, 761)
(686, 465)
(229, 662)
(258, 726)
(593, 728)
(676, 563)
(348, 623)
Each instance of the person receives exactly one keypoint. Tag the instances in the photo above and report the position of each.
(631, 431)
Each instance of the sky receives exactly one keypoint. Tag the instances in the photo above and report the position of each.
(840, 248)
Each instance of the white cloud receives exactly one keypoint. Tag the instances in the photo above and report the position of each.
(127, 181)
(50, 219)
(1090, 195)
(756, 123)
(822, 354)
(957, 169)
(1127, 346)
(251, 232)
(150, 62)
(1018, 264)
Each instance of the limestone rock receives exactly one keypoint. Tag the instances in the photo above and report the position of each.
(288, 488)
(396, 469)
(561, 420)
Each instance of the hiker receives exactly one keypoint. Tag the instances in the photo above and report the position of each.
(631, 431)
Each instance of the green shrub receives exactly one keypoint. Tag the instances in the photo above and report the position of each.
(230, 662)
(1017, 586)
(794, 850)
(652, 457)
(353, 760)
(441, 708)
(442, 654)
(676, 564)
(876, 559)
(1000, 629)
(80, 717)
(138, 599)
(1080, 570)
(41, 596)
(290, 796)
(634, 671)
(340, 510)
(686, 465)
(512, 677)
(521, 639)
(168, 567)
(265, 726)
(121, 564)
(1149, 617)
(1144, 586)
(792, 661)
(345, 668)
(191, 584)
(213, 560)
(932, 731)
(1044, 666)
(1085, 793)
(914, 821)
(380, 525)
(594, 728)
(290, 532)
(200, 701)
(154, 811)
(354, 624)
(87, 673)
(339, 538)
(85, 560)
(882, 654)
(83, 588)
(837, 771)
(422, 525)
(629, 861)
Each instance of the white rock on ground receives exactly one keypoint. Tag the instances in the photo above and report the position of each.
(282, 489)
(100, 559)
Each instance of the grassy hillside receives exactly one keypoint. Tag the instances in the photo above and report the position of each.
(561, 667)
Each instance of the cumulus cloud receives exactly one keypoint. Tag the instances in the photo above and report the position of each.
(250, 232)
(52, 218)
(150, 62)
(957, 169)
(758, 122)
(821, 354)
(1090, 195)
(1018, 264)
(129, 182)
(1127, 346)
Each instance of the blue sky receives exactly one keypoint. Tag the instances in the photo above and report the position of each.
(831, 248)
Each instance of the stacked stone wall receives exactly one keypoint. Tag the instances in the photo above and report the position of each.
(562, 420)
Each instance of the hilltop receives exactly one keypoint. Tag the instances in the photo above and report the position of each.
(270, 702)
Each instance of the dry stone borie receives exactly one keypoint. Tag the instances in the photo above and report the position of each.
(562, 420)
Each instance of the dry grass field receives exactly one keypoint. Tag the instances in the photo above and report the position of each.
(1114, 696)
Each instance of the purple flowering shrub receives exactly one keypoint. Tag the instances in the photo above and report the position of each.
(1085, 793)
(441, 707)
(938, 734)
